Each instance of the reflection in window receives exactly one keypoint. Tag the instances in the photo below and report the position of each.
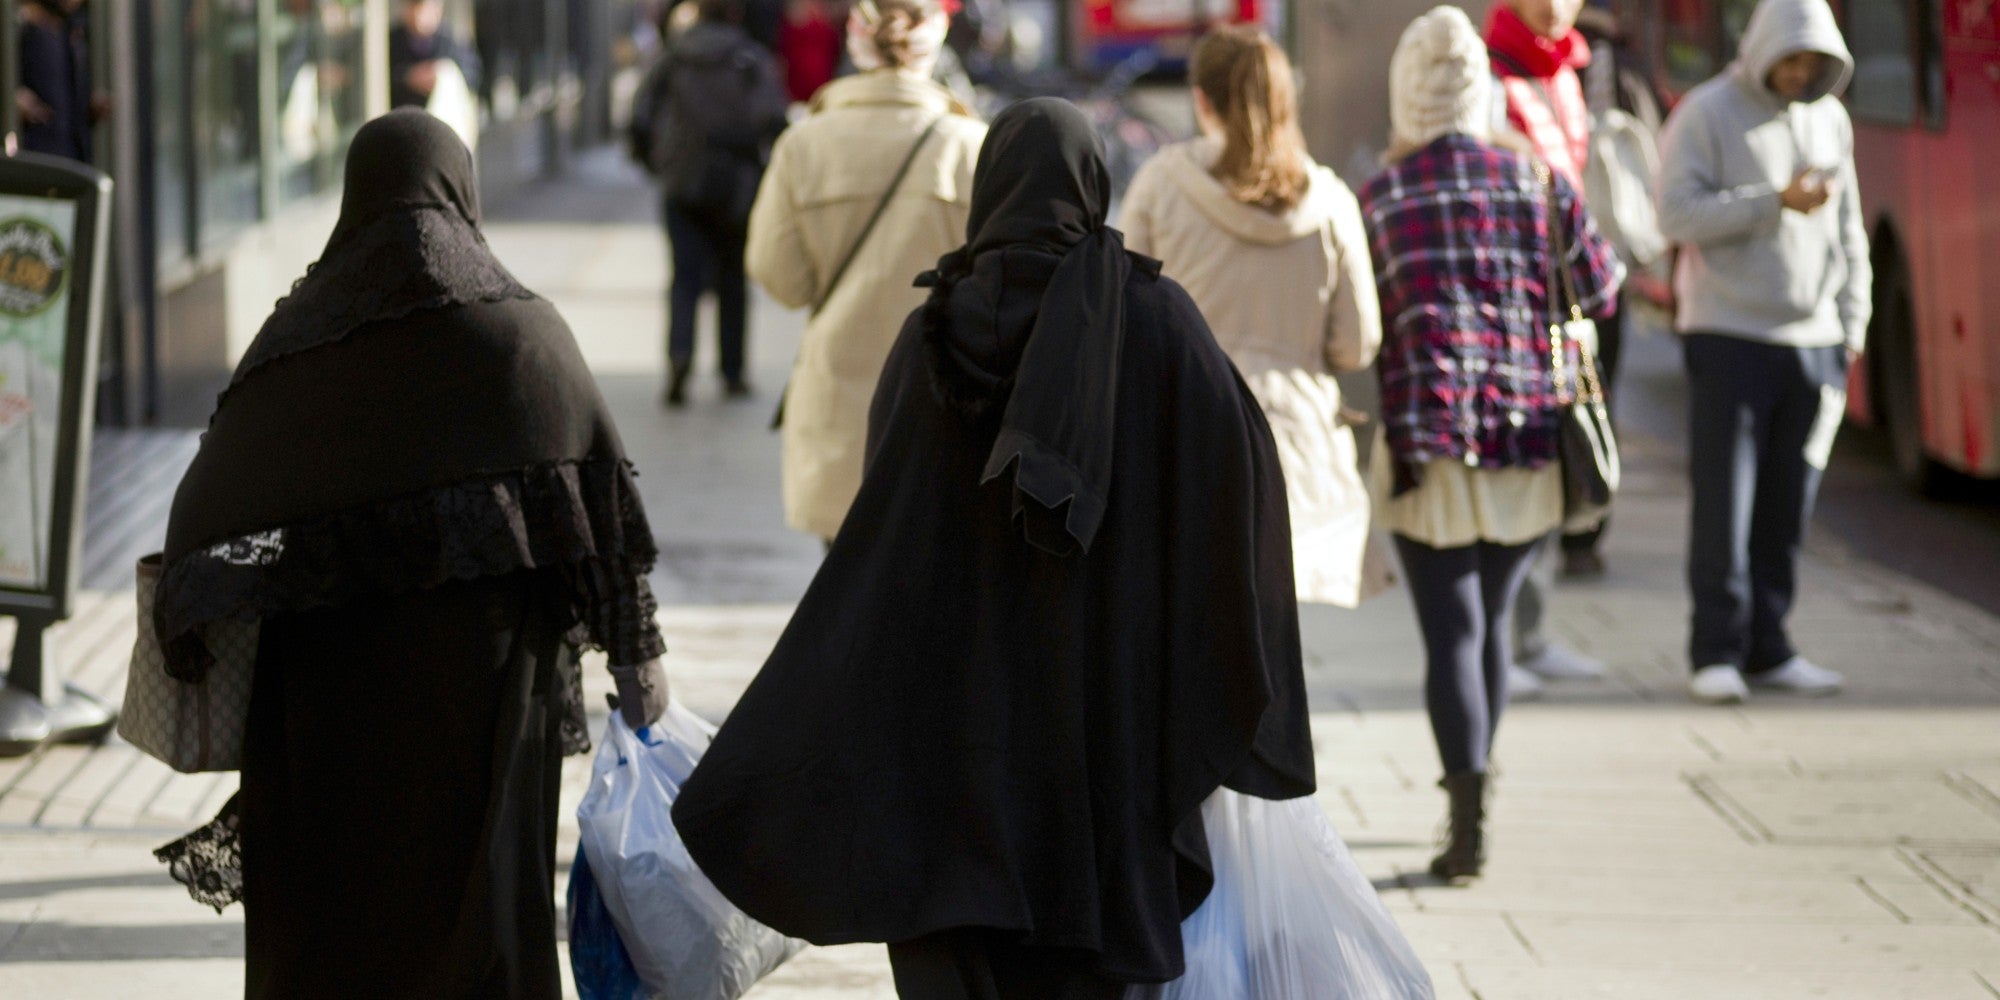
(320, 97)
(1885, 75)
(170, 140)
(227, 133)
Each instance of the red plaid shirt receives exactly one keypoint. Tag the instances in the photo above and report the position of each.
(1460, 238)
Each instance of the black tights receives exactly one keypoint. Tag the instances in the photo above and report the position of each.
(1465, 606)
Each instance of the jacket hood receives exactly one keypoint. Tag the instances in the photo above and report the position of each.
(1780, 28)
(1187, 165)
(887, 87)
(706, 40)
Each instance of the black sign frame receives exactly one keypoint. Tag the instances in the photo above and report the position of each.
(32, 175)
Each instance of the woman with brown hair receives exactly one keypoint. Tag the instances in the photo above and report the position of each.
(860, 197)
(1271, 247)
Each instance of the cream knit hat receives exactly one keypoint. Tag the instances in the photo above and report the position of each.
(1439, 81)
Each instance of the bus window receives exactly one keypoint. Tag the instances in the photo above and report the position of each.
(1735, 21)
(1885, 73)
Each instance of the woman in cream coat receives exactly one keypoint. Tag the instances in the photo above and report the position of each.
(1272, 249)
(827, 175)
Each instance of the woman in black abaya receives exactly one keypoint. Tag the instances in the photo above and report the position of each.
(1058, 617)
(413, 485)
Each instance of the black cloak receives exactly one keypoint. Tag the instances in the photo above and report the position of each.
(1059, 615)
(409, 415)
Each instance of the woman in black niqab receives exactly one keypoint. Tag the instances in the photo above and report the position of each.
(1058, 617)
(413, 485)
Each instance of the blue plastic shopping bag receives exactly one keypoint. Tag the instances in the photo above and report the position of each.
(597, 956)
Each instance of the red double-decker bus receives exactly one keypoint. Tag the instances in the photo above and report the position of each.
(1926, 106)
(1107, 32)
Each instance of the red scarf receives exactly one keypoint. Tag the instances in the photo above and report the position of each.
(1507, 34)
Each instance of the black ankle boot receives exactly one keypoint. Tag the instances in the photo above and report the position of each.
(677, 380)
(1465, 843)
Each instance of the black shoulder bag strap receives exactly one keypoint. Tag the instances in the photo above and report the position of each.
(876, 216)
(868, 228)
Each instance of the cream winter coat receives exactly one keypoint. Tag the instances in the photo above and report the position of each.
(826, 176)
(1291, 298)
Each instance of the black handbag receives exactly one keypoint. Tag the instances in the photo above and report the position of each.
(1585, 443)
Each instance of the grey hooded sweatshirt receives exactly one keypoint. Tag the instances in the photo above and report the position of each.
(1750, 267)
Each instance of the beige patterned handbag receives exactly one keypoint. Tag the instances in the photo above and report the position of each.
(191, 727)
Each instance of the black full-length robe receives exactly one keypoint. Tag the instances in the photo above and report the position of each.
(1059, 615)
(413, 485)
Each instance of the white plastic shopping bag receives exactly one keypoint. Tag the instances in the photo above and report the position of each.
(686, 941)
(1290, 918)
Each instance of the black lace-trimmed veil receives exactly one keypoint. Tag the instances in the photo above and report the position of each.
(408, 416)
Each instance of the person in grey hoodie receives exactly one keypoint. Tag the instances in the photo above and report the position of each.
(1757, 184)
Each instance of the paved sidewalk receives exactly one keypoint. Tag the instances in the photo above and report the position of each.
(1642, 846)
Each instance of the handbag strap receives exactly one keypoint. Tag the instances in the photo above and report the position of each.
(1564, 305)
(876, 216)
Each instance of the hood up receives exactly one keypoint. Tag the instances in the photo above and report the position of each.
(707, 41)
(1187, 165)
(1780, 28)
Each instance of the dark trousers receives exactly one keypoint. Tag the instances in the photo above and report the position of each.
(1465, 606)
(1752, 409)
(1610, 346)
(708, 256)
(973, 964)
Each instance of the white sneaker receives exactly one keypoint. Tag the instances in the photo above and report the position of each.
(1557, 662)
(1522, 685)
(1799, 675)
(1720, 684)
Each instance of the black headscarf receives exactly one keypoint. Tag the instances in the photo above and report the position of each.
(963, 728)
(1040, 193)
(408, 239)
(409, 415)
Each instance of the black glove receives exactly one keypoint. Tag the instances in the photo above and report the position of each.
(642, 693)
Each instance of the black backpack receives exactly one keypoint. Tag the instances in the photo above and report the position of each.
(708, 124)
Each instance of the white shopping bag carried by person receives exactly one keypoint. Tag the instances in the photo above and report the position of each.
(686, 941)
(1290, 917)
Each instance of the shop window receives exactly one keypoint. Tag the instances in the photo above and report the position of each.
(171, 192)
(227, 124)
(321, 99)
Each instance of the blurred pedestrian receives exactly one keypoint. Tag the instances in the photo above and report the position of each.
(810, 43)
(430, 67)
(413, 483)
(1059, 618)
(861, 197)
(424, 53)
(703, 123)
(54, 98)
(1272, 248)
(1535, 52)
(1468, 480)
(1758, 187)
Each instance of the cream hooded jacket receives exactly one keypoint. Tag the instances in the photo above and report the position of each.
(1749, 267)
(1291, 298)
(827, 174)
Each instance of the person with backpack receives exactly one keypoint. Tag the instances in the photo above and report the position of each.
(861, 197)
(1535, 53)
(703, 123)
(1272, 248)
